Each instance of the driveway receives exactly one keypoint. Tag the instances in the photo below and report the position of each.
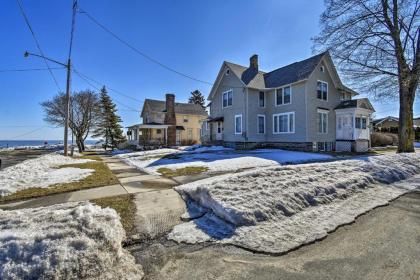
(382, 244)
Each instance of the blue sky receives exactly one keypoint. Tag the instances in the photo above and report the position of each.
(193, 37)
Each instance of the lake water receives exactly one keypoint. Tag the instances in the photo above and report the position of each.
(34, 143)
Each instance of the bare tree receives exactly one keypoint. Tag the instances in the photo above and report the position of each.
(84, 113)
(376, 45)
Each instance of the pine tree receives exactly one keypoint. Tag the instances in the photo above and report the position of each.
(197, 98)
(109, 126)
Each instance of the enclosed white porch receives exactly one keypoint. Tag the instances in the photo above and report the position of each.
(353, 126)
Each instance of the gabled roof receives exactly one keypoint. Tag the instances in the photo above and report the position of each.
(291, 73)
(381, 120)
(180, 108)
(363, 103)
(288, 74)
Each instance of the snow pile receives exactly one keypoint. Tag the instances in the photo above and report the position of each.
(216, 159)
(41, 172)
(65, 241)
(150, 153)
(279, 208)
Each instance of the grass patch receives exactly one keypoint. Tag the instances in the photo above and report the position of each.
(125, 207)
(189, 170)
(102, 176)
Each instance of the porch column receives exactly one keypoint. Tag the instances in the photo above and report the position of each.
(166, 136)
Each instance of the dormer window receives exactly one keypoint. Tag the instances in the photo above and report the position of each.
(227, 72)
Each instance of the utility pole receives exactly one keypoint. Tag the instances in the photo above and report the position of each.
(67, 118)
(68, 67)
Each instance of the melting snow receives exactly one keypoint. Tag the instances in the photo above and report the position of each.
(216, 158)
(65, 241)
(276, 209)
(41, 172)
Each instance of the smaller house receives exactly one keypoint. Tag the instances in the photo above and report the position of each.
(387, 124)
(168, 123)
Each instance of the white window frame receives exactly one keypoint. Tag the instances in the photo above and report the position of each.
(227, 72)
(282, 95)
(238, 116)
(259, 99)
(289, 131)
(322, 69)
(326, 113)
(207, 125)
(324, 82)
(223, 96)
(258, 124)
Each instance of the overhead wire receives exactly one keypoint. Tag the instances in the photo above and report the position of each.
(37, 42)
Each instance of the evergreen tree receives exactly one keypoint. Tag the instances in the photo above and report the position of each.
(197, 98)
(108, 126)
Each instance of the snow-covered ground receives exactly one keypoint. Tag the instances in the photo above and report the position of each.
(276, 209)
(41, 172)
(64, 241)
(216, 158)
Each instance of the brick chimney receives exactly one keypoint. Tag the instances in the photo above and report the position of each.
(170, 119)
(253, 62)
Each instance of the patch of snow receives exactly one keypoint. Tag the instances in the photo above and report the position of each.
(41, 172)
(276, 209)
(64, 241)
(218, 159)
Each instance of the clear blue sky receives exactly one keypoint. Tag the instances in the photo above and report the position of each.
(193, 37)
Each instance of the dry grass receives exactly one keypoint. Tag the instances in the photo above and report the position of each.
(102, 176)
(125, 207)
(189, 170)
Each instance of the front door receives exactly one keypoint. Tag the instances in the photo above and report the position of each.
(348, 127)
(219, 132)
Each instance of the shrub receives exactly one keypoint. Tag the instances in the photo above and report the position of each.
(383, 139)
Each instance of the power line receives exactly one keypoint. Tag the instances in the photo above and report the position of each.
(29, 69)
(111, 89)
(37, 42)
(140, 52)
(97, 88)
(27, 133)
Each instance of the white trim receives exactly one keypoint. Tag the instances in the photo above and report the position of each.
(223, 95)
(288, 122)
(238, 116)
(258, 124)
(325, 111)
(282, 95)
(326, 100)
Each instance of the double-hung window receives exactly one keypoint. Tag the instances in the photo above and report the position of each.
(261, 124)
(322, 121)
(283, 96)
(322, 90)
(361, 122)
(238, 124)
(261, 99)
(284, 123)
(227, 98)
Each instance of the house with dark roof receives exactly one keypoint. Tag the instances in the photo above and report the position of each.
(303, 105)
(168, 123)
(387, 124)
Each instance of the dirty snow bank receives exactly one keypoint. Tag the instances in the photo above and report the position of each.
(65, 241)
(41, 172)
(279, 208)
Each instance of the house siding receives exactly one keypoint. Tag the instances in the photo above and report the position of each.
(314, 103)
(238, 104)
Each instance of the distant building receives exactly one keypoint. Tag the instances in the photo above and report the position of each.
(168, 123)
(387, 124)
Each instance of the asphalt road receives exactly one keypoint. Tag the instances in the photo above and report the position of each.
(382, 244)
